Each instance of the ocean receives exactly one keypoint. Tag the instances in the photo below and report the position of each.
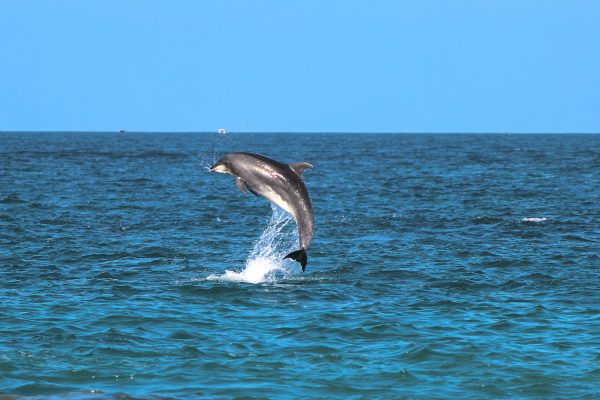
(443, 266)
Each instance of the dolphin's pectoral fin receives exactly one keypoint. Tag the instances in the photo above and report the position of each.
(299, 167)
(240, 184)
(300, 256)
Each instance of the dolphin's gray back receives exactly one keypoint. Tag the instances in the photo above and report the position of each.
(280, 184)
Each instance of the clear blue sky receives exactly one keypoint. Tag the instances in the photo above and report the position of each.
(424, 66)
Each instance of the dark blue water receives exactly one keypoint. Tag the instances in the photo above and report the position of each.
(443, 266)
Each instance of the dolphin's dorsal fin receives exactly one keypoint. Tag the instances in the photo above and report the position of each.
(299, 167)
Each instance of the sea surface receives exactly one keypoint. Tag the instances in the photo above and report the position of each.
(442, 267)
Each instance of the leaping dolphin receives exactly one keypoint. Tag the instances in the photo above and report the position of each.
(279, 183)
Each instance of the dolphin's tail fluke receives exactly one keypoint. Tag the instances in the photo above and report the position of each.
(300, 256)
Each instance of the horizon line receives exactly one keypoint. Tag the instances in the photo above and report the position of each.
(314, 132)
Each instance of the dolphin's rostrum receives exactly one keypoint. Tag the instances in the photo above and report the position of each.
(280, 183)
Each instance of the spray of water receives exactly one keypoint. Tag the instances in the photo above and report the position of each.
(265, 262)
(208, 157)
(219, 142)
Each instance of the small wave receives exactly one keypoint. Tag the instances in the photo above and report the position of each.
(12, 198)
(481, 220)
(576, 238)
(265, 262)
(534, 219)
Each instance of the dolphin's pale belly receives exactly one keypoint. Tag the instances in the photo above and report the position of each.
(288, 198)
(274, 197)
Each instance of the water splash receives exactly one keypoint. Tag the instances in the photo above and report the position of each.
(265, 262)
(219, 143)
(209, 156)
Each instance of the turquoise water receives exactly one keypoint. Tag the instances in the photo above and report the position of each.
(443, 266)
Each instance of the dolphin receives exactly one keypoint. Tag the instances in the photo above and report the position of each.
(280, 183)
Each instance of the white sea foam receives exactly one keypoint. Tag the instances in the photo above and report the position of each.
(534, 219)
(265, 261)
